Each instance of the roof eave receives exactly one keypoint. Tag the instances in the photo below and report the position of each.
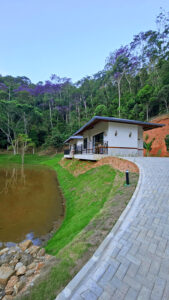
(146, 126)
(73, 138)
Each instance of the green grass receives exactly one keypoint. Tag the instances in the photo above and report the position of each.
(85, 196)
(6, 159)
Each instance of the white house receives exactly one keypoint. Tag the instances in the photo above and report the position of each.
(108, 136)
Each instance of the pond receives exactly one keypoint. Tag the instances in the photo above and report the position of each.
(31, 204)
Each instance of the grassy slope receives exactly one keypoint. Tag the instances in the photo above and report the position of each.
(85, 198)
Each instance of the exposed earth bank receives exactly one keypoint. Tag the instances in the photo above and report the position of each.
(158, 146)
(77, 167)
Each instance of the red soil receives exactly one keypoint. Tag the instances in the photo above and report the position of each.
(83, 166)
(118, 163)
(158, 146)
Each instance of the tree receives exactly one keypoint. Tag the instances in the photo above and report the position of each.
(144, 95)
(164, 95)
(100, 110)
(24, 142)
(10, 122)
(119, 63)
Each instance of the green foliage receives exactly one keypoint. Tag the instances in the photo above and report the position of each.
(167, 142)
(145, 93)
(100, 110)
(148, 145)
(159, 152)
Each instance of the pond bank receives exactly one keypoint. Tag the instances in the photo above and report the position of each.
(94, 202)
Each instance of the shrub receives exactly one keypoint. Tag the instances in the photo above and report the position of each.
(148, 145)
(167, 142)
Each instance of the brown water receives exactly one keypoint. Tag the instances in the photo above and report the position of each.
(30, 202)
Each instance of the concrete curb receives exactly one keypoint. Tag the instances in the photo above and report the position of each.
(87, 268)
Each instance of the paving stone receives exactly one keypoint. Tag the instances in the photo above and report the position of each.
(115, 252)
(133, 259)
(105, 296)
(133, 270)
(118, 295)
(135, 248)
(144, 267)
(122, 270)
(166, 292)
(120, 285)
(158, 288)
(155, 266)
(88, 295)
(152, 248)
(99, 272)
(107, 276)
(132, 282)
(144, 294)
(131, 295)
(110, 288)
(94, 287)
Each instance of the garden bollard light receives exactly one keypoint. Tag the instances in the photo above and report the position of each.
(127, 177)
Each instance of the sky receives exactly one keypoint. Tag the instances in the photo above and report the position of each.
(70, 38)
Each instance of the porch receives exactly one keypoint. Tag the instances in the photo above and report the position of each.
(92, 157)
(95, 153)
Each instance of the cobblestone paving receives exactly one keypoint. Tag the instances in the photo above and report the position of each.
(135, 262)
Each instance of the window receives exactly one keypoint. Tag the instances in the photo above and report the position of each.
(98, 139)
(85, 143)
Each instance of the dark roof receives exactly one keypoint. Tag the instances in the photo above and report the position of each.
(77, 137)
(96, 119)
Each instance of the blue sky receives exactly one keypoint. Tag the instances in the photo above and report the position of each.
(70, 38)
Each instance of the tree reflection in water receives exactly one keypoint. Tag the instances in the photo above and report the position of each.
(30, 202)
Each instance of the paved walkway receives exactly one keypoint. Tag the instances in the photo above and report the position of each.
(133, 260)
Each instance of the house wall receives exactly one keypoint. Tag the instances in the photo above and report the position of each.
(140, 141)
(122, 139)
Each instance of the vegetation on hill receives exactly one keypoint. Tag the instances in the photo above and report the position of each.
(134, 84)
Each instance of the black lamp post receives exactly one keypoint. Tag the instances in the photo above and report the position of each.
(127, 177)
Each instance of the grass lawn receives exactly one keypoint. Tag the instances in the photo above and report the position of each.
(94, 201)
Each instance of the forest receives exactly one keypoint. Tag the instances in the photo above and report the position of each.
(134, 84)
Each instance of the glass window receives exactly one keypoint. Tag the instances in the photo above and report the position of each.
(85, 143)
(98, 139)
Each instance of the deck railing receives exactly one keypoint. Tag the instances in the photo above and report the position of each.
(97, 149)
(66, 151)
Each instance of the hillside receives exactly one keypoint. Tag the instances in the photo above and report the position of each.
(159, 147)
(134, 84)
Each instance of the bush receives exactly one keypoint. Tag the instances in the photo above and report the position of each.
(167, 142)
(148, 145)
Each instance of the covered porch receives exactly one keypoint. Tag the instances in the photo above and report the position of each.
(82, 152)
